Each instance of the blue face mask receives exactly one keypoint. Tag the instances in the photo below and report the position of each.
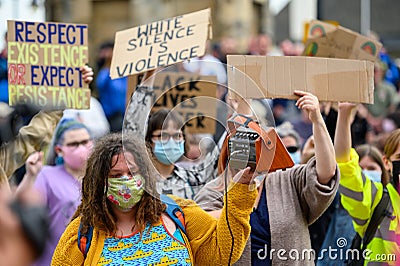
(169, 152)
(373, 175)
(295, 157)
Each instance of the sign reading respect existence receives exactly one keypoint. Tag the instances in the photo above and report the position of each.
(44, 59)
(329, 79)
(160, 43)
(191, 95)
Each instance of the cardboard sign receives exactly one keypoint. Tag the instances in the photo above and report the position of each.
(278, 76)
(327, 40)
(189, 93)
(43, 64)
(160, 43)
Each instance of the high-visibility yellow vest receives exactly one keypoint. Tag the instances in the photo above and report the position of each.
(360, 196)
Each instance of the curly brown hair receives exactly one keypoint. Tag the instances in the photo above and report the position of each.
(95, 209)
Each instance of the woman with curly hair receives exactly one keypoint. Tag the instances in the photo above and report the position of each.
(130, 227)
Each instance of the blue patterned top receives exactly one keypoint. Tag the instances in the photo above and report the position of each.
(156, 247)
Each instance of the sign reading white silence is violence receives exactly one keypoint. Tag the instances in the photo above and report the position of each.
(160, 43)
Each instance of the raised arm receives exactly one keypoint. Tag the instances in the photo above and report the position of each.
(343, 132)
(138, 110)
(33, 166)
(210, 238)
(324, 150)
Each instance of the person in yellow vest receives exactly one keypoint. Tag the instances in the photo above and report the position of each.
(360, 195)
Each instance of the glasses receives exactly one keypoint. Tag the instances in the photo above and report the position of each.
(76, 144)
(292, 149)
(165, 137)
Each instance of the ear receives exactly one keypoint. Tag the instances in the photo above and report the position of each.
(57, 149)
(386, 162)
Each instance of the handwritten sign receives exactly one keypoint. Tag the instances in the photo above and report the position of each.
(327, 40)
(160, 43)
(189, 93)
(43, 64)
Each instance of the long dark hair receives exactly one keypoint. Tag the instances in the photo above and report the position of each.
(95, 209)
(373, 152)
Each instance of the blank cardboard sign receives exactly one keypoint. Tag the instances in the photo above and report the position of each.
(278, 76)
(160, 43)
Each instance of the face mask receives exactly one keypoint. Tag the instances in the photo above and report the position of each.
(169, 152)
(75, 158)
(125, 191)
(295, 157)
(373, 175)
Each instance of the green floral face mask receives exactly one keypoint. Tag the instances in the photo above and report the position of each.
(125, 191)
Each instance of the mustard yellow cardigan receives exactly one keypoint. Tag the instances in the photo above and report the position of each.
(208, 238)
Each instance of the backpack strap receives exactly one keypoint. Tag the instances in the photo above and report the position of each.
(379, 213)
(84, 239)
(174, 211)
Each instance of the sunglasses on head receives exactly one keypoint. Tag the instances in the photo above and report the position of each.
(292, 149)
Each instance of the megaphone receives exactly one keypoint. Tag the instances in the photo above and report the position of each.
(248, 144)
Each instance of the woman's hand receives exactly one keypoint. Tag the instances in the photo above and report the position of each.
(347, 107)
(309, 102)
(34, 164)
(87, 74)
(244, 176)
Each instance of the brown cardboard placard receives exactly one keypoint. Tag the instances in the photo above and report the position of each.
(160, 43)
(44, 59)
(189, 93)
(327, 40)
(329, 79)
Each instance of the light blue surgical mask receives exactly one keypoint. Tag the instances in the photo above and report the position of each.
(295, 157)
(373, 175)
(169, 152)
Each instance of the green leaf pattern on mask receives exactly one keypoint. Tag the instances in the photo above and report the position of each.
(125, 191)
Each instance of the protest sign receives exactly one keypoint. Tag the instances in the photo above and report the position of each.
(44, 59)
(160, 43)
(327, 40)
(329, 79)
(191, 95)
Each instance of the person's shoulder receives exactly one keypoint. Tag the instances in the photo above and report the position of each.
(290, 175)
(72, 229)
(288, 171)
(75, 222)
(182, 172)
(49, 170)
(181, 201)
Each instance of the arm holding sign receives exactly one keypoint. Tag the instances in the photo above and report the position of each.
(139, 106)
(324, 151)
(32, 137)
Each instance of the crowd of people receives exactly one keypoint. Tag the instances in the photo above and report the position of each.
(97, 178)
